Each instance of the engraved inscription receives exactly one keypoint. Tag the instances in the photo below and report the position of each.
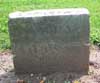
(46, 30)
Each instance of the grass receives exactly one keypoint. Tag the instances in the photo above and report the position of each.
(8, 6)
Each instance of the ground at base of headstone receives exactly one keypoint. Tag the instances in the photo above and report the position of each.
(7, 74)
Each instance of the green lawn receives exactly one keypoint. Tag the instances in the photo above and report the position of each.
(8, 6)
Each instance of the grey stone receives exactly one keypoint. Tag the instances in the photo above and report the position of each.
(47, 41)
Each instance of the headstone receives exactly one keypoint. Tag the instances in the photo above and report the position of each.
(47, 41)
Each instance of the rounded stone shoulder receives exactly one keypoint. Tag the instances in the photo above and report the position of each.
(48, 12)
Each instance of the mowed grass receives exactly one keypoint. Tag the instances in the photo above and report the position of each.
(8, 6)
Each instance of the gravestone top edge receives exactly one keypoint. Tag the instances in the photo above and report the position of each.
(48, 12)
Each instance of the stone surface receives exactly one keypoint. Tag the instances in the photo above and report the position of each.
(46, 41)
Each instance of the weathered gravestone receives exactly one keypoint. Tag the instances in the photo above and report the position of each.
(46, 41)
